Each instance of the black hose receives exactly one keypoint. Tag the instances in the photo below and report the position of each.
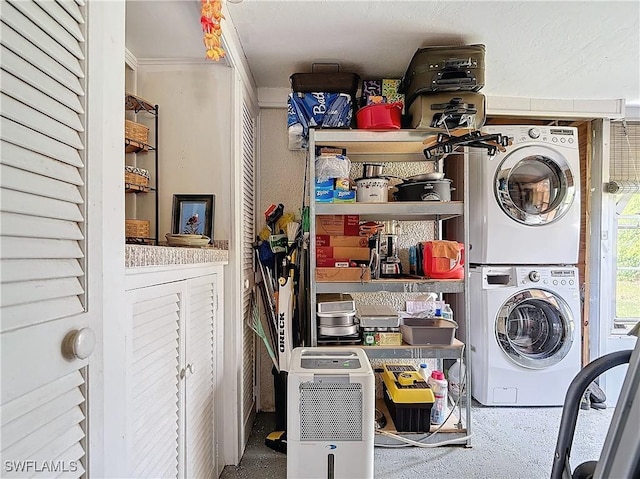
(571, 407)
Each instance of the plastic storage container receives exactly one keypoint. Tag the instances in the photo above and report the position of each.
(456, 377)
(437, 266)
(428, 331)
(438, 385)
(382, 116)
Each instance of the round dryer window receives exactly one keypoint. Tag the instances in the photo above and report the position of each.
(534, 185)
(535, 328)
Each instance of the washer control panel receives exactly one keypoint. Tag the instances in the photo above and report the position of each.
(553, 277)
(555, 135)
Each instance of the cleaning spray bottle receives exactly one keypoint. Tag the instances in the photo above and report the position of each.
(438, 385)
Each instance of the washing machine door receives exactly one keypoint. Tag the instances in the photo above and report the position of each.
(534, 185)
(535, 328)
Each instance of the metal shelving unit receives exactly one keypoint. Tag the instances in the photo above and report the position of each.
(401, 146)
(137, 105)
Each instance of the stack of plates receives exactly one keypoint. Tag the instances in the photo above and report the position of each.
(193, 241)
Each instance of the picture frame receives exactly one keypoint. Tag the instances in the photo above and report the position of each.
(193, 214)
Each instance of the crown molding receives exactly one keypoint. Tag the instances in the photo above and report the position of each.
(181, 61)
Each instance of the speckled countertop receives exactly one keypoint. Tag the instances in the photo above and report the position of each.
(136, 256)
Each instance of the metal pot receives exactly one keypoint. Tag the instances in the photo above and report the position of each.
(372, 170)
(436, 190)
(434, 175)
(372, 190)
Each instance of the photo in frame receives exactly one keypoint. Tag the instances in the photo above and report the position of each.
(193, 214)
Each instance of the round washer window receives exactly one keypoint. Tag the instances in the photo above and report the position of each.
(534, 185)
(534, 328)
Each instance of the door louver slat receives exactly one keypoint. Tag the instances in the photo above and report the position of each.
(24, 137)
(72, 9)
(56, 31)
(20, 23)
(154, 384)
(33, 205)
(29, 74)
(36, 57)
(38, 101)
(63, 17)
(23, 315)
(44, 166)
(27, 182)
(16, 248)
(26, 270)
(39, 227)
(29, 291)
(37, 121)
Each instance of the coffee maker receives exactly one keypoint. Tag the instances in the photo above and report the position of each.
(390, 266)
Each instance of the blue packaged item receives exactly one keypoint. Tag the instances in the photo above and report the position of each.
(324, 196)
(318, 109)
(342, 196)
(324, 183)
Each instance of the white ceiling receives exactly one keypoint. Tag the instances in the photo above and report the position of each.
(572, 50)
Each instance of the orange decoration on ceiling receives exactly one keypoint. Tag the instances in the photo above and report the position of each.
(211, 12)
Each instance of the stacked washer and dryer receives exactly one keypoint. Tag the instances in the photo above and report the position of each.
(524, 289)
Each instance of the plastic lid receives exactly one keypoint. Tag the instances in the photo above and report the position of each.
(437, 375)
(423, 365)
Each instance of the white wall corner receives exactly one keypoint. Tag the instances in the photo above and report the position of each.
(130, 59)
(273, 97)
(235, 53)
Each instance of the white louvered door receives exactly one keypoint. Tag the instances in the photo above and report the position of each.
(42, 213)
(248, 275)
(154, 398)
(200, 448)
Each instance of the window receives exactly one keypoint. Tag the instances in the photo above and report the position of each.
(625, 184)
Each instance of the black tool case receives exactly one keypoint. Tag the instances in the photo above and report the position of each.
(327, 78)
(439, 69)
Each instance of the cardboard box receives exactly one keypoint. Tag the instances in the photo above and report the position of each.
(342, 184)
(332, 263)
(344, 196)
(390, 86)
(343, 275)
(350, 252)
(357, 241)
(338, 225)
(325, 184)
(324, 196)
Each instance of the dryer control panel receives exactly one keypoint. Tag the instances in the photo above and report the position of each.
(555, 135)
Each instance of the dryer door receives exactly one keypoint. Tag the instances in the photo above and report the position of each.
(534, 185)
(535, 328)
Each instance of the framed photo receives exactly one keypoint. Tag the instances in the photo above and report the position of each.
(193, 214)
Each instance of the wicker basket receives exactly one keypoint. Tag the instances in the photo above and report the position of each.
(137, 228)
(136, 132)
(136, 176)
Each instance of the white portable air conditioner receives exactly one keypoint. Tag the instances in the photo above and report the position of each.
(330, 414)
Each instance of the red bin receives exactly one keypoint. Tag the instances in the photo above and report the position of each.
(443, 259)
(380, 116)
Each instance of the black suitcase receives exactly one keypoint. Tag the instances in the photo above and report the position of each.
(440, 69)
(327, 78)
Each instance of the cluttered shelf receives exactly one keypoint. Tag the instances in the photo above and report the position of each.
(393, 285)
(407, 351)
(395, 210)
(369, 142)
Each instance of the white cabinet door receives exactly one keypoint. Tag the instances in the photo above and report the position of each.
(200, 337)
(44, 272)
(155, 393)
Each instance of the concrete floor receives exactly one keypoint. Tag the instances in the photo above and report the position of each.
(507, 443)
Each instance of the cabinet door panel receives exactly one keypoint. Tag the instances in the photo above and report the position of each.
(199, 404)
(154, 385)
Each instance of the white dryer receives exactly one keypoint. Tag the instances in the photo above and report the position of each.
(525, 201)
(525, 334)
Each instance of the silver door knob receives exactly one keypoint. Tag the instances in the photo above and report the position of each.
(79, 343)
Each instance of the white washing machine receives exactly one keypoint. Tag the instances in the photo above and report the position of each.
(525, 334)
(525, 201)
